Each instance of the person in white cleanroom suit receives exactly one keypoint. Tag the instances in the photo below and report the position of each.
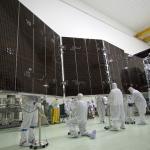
(101, 102)
(68, 103)
(79, 118)
(115, 101)
(140, 103)
(30, 119)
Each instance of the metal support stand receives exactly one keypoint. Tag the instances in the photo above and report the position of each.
(107, 64)
(146, 62)
(40, 143)
(62, 68)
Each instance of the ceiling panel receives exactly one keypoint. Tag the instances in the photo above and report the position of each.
(133, 14)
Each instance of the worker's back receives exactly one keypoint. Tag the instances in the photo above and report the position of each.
(116, 97)
(81, 111)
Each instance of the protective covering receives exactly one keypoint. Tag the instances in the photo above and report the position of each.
(101, 102)
(79, 118)
(114, 85)
(80, 95)
(140, 103)
(68, 107)
(115, 101)
(30, 119)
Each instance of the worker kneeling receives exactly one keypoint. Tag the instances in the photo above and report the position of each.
(115, 101)
(79, 119)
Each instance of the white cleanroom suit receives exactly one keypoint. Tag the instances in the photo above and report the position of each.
(140, 103)
(79, 118)
(101, 107)
(30, 119)
(115, 101)
(68, 104)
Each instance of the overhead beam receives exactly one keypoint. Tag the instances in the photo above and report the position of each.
(146, 39)
(143, 33)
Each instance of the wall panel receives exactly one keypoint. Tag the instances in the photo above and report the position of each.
(95, 75)
(70, 67)
(30, 57)
(50, 78)
(8, 43)
(25, 51)
(82, 66)
(39, 56)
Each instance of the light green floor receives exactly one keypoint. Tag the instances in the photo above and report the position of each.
(135, 137)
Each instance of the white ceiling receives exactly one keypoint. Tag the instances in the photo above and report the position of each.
(133, 14)
(74, 18)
